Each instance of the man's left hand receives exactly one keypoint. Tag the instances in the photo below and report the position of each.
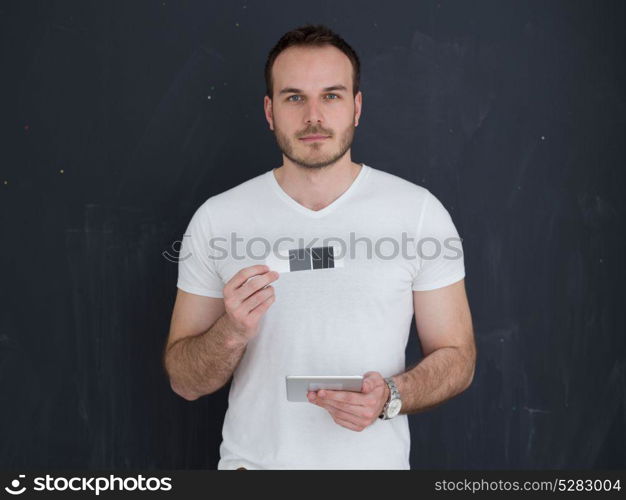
(355, 410)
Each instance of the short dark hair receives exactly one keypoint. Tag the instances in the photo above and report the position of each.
(311, 36)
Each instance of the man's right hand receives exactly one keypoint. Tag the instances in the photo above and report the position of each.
(246, 299)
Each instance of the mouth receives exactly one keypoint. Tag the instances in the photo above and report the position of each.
(312, 138)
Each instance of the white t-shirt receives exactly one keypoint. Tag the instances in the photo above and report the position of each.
(326, 320)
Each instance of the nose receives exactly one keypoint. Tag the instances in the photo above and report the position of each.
(313, 113)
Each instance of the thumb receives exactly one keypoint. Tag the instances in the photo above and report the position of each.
(368, 384)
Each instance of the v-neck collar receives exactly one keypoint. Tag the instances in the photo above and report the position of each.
(271, 178)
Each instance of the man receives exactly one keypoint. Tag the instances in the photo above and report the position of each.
(349, 314)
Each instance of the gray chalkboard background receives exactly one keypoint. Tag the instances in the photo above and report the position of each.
(512, 113)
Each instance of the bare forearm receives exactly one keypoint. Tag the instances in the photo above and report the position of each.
(202, 364)
(440, 376)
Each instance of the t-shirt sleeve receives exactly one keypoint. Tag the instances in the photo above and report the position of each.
(440, 260)
(196, 268)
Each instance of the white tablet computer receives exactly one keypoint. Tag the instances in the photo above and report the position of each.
(299, 385)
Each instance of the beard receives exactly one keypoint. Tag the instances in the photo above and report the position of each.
(315, 154)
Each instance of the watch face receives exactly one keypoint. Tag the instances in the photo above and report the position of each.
(394, 408)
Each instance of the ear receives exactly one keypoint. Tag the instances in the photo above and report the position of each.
(269, 114)
(358, 103)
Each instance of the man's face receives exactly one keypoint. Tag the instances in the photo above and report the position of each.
(307, 102)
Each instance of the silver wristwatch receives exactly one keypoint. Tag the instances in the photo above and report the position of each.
(393, 404)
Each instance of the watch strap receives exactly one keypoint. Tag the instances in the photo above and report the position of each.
(393, 394)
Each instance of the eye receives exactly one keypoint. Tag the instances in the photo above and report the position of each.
(296, 95)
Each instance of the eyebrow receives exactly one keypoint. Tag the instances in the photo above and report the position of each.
(292, 90)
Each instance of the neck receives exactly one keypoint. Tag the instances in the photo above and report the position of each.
(316, 188)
